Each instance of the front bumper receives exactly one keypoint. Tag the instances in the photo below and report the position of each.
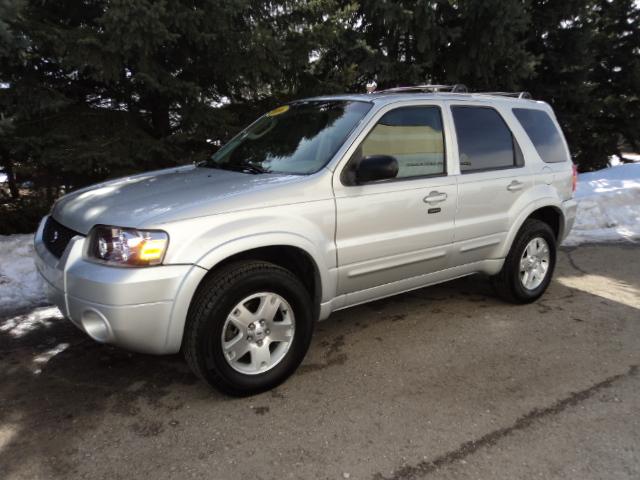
(140, 309)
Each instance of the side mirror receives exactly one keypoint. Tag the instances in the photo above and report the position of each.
(376, 167)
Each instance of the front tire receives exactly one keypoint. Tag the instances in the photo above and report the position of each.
(248, 328)
(529, 266)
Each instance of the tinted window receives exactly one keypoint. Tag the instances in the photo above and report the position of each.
(414, 136)
(484, 140)
(297, 138)
(543, 134)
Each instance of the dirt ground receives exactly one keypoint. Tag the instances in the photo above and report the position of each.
(444, 382)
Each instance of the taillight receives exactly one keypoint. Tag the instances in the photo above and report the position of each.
(574, 181)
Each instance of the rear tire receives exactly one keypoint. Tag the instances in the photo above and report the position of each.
(529, 266)
(248, 328)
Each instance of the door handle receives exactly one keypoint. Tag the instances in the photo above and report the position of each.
(435, 197)
(515, 185)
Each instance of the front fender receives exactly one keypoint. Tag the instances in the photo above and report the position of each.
(218, 254)
(271, 239)
(206, 242)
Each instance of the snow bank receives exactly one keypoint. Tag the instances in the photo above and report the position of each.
(608, 206)
(20, 284)
(615, 160)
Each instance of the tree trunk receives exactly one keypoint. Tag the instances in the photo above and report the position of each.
(11, 179)
(160, 117)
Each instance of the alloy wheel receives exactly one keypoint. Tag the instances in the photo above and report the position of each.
(258, 333)
(534, 263)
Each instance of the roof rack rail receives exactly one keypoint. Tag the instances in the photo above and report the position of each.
(457, 88)
(523, 94)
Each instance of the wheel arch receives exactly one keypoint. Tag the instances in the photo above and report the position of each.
(293, 258)
(293, 252)
(548, 211)
(552, 216)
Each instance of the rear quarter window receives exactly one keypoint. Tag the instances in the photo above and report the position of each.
(543, 133)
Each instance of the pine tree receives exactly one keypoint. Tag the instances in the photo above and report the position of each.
(588, 55)
(481, 44)
(488, 51)
(616, 78)
(102, 88)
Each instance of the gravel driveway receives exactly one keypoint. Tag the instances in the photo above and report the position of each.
(443, 382)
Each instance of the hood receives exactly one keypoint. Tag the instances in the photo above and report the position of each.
(163, 196)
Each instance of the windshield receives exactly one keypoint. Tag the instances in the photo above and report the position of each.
(299, 138)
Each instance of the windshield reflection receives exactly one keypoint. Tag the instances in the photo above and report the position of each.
(298, 138)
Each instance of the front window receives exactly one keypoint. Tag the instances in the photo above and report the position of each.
(299, 138)
(413, 136)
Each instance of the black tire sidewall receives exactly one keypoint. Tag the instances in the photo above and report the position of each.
(213, 364)
(535, 229)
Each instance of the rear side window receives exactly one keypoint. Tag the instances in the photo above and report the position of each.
(543, 134)
(413, 136)
(484, 140)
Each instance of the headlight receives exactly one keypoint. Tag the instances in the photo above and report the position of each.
(127, 246)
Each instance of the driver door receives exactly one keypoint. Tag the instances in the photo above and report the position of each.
(393, 230)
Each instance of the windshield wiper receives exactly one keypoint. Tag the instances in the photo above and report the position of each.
(252, 168)
(246, 167)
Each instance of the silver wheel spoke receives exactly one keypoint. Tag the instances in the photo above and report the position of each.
(280, 332)
(260, 357)
(241, 316)
(524, 262)
(236, 348)
(268, 308)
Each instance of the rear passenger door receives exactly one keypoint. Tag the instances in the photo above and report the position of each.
(493, 178)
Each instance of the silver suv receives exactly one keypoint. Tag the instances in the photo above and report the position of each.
(319, 205)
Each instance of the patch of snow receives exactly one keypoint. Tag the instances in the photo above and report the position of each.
(632, 156)
(7, 433)
(608, 206)
(20, 283)
(21, 325)
(614, 160)
(3, 177)
(43, 358)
